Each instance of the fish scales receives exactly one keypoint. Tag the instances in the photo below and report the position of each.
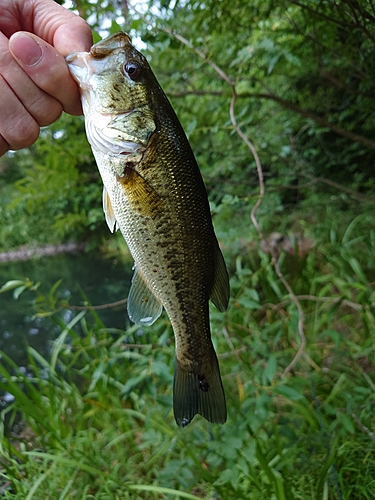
(154, 192)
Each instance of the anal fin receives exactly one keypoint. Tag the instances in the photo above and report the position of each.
(143, 307)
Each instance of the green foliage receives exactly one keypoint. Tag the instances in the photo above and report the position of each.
(98, 412)
(303, 80)
(302, 73)
(56, 195)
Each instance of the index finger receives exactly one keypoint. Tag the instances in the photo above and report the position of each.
(47, 68)
(58, 26)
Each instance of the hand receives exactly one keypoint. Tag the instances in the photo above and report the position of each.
(35, 84)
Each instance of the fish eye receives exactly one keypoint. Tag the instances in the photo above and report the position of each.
(133, 70)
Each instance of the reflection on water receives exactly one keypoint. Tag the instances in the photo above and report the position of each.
(103, 281)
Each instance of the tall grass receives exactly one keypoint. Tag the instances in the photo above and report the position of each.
(96, 416)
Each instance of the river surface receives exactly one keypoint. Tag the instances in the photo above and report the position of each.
(102, 281)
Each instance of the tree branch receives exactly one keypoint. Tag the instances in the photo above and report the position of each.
(320, 120)
(254, 152)
(301, 317)
(351, 192)
(316, 118)
(250, 145)
(184, 93)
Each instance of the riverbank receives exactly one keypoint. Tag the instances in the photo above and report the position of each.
(27, 253)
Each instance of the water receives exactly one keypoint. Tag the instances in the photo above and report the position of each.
(103, 281)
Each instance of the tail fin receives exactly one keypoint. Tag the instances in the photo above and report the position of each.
(199, 391)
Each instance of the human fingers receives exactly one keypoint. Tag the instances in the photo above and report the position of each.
(47, 68)
(60, 27)
(55, 24)
(24, 107)
(4, 146)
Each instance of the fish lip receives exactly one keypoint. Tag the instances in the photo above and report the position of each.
(70, 57)
(104, 47)
(77, 59)
(79, 66)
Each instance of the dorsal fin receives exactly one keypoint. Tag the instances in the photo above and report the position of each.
(220, 289)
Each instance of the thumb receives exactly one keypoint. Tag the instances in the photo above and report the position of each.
(47, 68)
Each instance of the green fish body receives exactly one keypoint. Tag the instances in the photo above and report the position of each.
(154, 193)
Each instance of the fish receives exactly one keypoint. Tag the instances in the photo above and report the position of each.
(154, 193)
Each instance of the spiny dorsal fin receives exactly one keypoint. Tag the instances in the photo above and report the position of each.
(220, 289)
(143, 307)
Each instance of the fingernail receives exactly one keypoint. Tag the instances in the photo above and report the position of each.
(26, 49)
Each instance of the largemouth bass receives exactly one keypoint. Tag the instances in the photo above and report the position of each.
(154, 193)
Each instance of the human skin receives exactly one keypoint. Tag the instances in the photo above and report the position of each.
(35, 84)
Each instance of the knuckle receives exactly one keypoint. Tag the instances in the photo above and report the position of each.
(46, 111)
(4, 146)
(23, 133)
(17, 127)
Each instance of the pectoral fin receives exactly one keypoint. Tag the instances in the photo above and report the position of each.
(108, 212)
(143, 307)
(220, 289)
(141, 196)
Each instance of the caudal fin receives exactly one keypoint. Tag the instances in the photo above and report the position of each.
(199, 391)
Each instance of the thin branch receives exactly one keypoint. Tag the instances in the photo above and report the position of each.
(237, 128)
(351, 192)
(363, 428)
(253, 150)
(330, 19)
(250, 145)
(313, 116)
(230, 343)
(320, 120)
(313, 298)
(95, 308)
(285, 104)
(184, 93)
(365, 15)
(301, 317)
(368, 379)
(337, 83)
(201, 54)
(234, 352)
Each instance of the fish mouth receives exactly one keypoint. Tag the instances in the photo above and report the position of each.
(78, 65)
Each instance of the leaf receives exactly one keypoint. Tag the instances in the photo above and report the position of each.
(270, 370)
(159, 489)
(347, 422)
(11, 285)
(289, 392)
(272, 63)
(17, 291)
(226, 476)
(266, 44)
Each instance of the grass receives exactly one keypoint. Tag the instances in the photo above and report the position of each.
(96, 417)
